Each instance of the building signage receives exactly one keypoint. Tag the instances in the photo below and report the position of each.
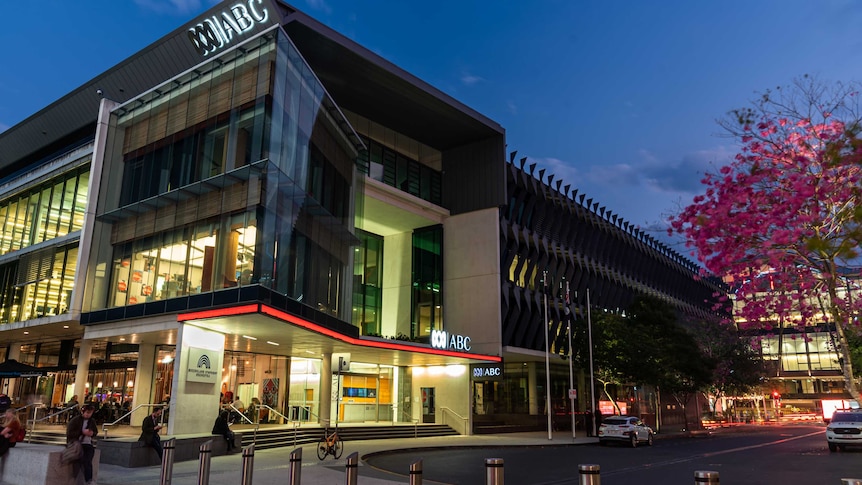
(443, 340)
(203, 365)
(218, 31)
(486, 372)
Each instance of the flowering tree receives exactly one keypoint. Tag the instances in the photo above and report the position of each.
(782, 220)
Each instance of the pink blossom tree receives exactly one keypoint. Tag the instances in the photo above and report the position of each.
(782, 220)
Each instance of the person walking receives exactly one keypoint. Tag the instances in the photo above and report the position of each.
(150, 431)
(83, 428)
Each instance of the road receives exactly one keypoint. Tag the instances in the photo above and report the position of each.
(754, 456)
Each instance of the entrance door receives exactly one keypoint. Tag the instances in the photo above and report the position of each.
(428, 405)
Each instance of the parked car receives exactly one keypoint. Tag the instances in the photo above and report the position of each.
(844, 429)
(627, 429)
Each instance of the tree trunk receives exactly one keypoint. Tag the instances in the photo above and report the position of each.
(846, 363)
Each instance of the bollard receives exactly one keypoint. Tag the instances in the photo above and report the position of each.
(851, 481)
(416, 472)
(589, 475)
(247, 464)
(295, 466)
(352, 468)
(168, 461)
(493, 471)
(705, 477)
(204, 463)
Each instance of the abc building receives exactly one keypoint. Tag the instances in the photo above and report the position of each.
(255, 205)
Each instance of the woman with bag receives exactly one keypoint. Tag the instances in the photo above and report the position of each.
(82, 429)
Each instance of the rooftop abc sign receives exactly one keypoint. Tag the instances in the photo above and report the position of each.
(216, 32)
(443, 340)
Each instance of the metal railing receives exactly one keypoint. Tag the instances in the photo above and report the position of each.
(132, 411)
(33, 422)
(283, 417)
(246, 419)
(411, 419)
(466, 420)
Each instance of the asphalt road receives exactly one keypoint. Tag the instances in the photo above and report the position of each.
(756, 455)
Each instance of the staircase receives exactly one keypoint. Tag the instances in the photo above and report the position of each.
(268, 438)
(46, 437)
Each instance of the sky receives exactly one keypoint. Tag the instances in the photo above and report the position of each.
(620, 99)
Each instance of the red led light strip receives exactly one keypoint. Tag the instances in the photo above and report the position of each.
(284, 316)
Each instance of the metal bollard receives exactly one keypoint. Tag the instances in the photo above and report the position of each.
(416, 472)
(851, 481)
(204, 463)
(705, 477)
(295, 466)
(589, 475)
(247, 464)
(168, 461)
(493, 471)
(352, 468)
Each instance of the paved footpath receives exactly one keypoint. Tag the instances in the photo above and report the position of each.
(272, 467)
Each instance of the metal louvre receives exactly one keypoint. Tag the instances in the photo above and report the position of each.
(35, 266)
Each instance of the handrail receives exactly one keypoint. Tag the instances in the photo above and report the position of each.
(35, 421)
(412, 419)
(139, 406)
(36, 406)
(466, 420)
(245, 418)
(285, 418)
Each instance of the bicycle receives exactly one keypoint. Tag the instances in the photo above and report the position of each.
(330, 444)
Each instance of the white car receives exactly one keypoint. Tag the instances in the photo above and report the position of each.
(627, 429)
(844, 429)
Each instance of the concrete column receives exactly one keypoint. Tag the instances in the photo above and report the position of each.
(325, 389)
(532, 389)
(194, 403)
(82, 371)
(143, 382)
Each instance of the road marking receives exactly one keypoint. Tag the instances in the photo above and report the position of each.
(710, 454)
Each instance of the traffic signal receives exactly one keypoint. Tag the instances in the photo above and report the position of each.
(776, 395)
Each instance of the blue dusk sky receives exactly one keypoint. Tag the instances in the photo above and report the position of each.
(618, 98)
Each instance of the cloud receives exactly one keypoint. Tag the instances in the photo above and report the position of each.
(177, 7)
(511, 107)
(319, 5)
(470, 79)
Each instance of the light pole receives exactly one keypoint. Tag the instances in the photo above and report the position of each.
(592, 373)
(567, 310)
(547, 356)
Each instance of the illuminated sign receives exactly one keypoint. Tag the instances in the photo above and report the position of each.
(442, 340)
(486, 372)
(218, 31)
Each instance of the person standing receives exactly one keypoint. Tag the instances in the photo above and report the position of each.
(5, 402)
(83, 428)
(150, 431)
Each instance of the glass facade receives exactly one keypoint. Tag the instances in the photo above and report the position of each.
(398, 170)
(813, 351)
(238, 172)
(38, 282)
(427, 301)
(368, 284)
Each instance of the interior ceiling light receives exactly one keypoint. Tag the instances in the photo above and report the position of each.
(249, 337)
(270, 342)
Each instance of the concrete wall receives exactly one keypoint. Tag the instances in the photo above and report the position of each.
(397, 268)
(471, 285)
(194, 405)
(451, 394)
